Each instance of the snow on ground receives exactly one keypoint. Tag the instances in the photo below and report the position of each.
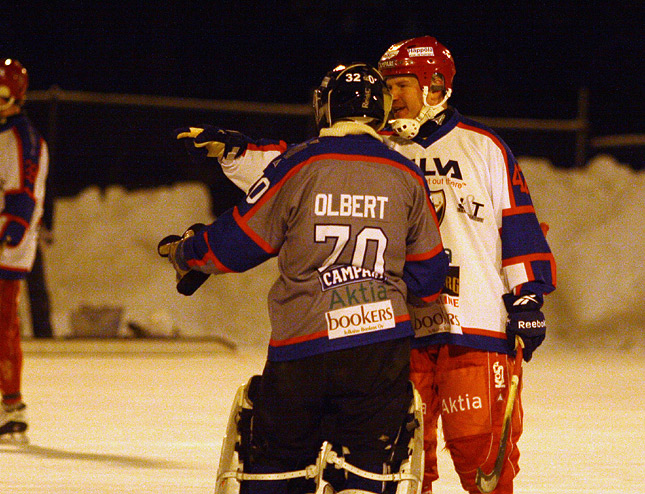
(105, 254)
(596, 222)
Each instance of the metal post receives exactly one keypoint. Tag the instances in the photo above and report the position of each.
(582, 134)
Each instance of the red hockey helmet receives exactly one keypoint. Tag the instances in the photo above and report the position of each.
(422, 57)
(13, 80)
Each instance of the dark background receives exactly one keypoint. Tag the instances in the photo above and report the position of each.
(526, 59)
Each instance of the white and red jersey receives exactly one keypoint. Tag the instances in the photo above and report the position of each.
(489, 228)
(24, 162)
(487, 221)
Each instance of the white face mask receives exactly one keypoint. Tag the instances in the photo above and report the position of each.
(409, 127)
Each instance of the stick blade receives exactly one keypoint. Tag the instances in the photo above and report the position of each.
(191, 281)
(486, 483)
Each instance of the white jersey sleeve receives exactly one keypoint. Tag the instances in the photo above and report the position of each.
(246, 169)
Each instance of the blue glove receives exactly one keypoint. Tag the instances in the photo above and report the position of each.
(526, 320)
(212, 142)
(13, 234)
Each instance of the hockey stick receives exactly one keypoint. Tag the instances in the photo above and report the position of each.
(487, 482)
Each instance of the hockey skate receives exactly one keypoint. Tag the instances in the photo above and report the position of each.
(13, 424)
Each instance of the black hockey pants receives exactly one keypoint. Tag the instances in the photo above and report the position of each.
(356, 399)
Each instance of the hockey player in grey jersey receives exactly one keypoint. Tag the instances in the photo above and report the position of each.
(354, 230)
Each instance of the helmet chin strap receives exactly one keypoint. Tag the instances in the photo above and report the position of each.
(8, 104)
(409, 127)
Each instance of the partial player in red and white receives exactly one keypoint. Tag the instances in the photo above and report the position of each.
(24, 162)
(500, 266)
(500, 263)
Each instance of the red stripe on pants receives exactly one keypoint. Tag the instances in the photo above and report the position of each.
(10, 350)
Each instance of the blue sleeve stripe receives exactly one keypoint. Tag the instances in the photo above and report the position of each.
(521, 235)
(20, 205)
(224, 243)
(426, 278)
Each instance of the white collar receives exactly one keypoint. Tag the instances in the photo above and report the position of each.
(347, 127)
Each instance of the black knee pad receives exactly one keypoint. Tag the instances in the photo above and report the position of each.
(247, 449)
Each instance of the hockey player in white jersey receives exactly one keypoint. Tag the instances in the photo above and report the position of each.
(500, 263)
(354, 230)
(500, 269)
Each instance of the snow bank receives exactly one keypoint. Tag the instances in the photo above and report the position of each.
(105, 254)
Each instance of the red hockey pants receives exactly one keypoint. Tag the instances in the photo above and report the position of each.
(468, 389)
(10, 350)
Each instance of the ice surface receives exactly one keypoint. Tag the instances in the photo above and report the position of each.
(149, 417)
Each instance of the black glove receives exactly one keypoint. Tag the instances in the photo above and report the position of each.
(212, 142)
(526, 320)
(188, 280)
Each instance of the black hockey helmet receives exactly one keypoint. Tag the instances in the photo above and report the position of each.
(349, 92)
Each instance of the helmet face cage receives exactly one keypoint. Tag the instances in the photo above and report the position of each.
(350, 92)
(422, 57)
(13, 80)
